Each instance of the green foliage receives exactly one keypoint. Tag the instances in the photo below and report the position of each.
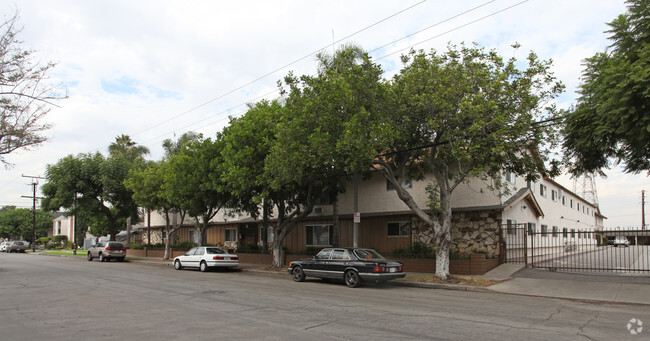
(186, 245)
(43, 240)
(417, 250)
(19, 223)
(53, 246)
(610, 119)
(59, 238)
(92, 186)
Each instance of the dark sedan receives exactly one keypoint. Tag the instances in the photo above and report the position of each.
(352, 265)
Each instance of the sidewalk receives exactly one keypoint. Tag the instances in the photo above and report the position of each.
(599, 287)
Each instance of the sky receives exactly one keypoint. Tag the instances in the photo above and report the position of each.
(156, 69)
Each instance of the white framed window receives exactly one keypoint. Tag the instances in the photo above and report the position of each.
(532, 228)
(405, 185)
(399, 229)
(231, 235)
(544, 231)
(318, 235)
(555, 231)
(542, 190)
(531, 185)
(553, 195)
(510, 226)
(565, 232)
(511, 177)
(563, 200)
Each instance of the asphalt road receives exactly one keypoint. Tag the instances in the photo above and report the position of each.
(65, 298)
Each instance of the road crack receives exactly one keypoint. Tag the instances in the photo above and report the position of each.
(321, 325)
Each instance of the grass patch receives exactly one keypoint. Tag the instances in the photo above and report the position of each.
(81, 253)
(461, 280)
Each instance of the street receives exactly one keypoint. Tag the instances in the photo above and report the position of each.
(63, 298)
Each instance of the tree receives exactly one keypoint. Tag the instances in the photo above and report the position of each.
(26, 96)
(461, 114)
(19, 223)
(610, 119)
(194, 182)
(92, 186)
(125, 146)
(327, 130)
(131, 151)
(149, 191)
(172, 147)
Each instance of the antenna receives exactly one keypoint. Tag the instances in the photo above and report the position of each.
(585, 186)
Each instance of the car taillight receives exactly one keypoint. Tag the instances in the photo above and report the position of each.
(380, 269)
(234, 257)
(217, 258)
(291, 265)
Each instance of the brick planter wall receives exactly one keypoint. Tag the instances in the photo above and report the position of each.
(476, 265)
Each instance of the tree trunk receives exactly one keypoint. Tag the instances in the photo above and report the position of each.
(265, 227)
(277, 252)
(128, 232)
(442, 256)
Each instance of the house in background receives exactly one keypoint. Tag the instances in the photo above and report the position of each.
(62, 225)
(480, 215)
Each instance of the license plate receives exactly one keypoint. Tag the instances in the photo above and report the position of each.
(393, 270)
(227, 258)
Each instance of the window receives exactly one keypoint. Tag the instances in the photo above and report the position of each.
(531, 228)
(553, 195)
(573, 233)
(542, 190)
(199, 252)
(565, 232)
(578, 206)
(555, 231)
(510, 226)
(571, 201)
(531, 185)
(405, 185)
(231, 235)
(564, 200)
(318, 235)
(511, 178)
(338, 254)
(58, 227)
(399, 229)
(544, 230)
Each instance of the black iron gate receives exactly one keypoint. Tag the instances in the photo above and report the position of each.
(567, 249)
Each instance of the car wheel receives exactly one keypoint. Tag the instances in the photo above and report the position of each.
(177, 265)
(90, 257)
(352, 279)
(298, 274)
(203, 266)
(102, 258)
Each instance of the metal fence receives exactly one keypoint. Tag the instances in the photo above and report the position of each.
(566, 249)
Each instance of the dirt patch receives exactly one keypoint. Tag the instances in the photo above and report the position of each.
(459, 280)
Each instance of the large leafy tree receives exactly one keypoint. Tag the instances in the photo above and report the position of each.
(19, 223)
(460, 114)
(149, 191)
(611, 120)
(329, 128)
(26, 95)
(193, 182)
(92, 186)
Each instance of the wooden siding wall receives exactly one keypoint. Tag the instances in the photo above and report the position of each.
(373, 233)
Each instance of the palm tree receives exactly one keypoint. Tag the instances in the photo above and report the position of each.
(125, 146)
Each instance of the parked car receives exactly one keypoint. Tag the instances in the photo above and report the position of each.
(106, 251)
(16, 246)
(352, 265)
(621, 241)
(205, 257)
(4, 246)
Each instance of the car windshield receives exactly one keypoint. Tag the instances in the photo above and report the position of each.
(18, 243)
(214, 250)
(115, 245)
(368, 254)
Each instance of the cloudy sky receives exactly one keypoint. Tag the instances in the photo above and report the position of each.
(156, 69)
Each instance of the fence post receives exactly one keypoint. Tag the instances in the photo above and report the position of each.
(526, 244)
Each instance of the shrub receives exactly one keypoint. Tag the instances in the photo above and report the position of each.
(53, 246)
(43, 240)
(183, 245)
(417, 250)
(60, 238)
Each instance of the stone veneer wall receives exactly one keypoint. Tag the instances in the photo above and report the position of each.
(470, 231)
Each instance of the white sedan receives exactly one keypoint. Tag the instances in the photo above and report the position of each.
(205, 257)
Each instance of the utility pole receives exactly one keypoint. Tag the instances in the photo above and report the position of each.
(643, 209)
(34, 197)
